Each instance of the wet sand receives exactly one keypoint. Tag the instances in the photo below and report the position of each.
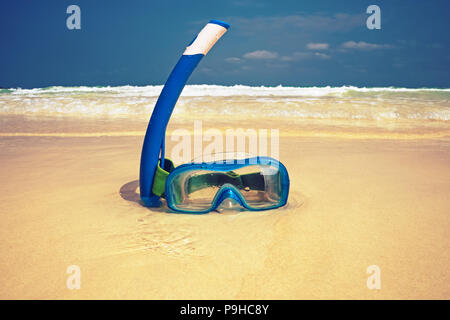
(71, 200)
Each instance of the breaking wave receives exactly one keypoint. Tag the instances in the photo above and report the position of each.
(135, 102)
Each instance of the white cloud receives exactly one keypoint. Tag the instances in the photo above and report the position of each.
(322, 55)
(361, 45)
(317, 46)
(261, 55)
(298, 56)
(233, 60)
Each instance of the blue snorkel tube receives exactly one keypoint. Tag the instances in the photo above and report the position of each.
(153, 148)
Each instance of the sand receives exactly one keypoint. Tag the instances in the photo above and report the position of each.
(354, 202)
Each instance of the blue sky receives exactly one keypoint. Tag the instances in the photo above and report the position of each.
(295, 43)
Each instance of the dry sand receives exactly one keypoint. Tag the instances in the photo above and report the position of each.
(353, 203)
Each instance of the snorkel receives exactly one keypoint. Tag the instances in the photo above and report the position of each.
(153, 147)
(256, 184)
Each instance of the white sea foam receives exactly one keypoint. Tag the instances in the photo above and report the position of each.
(223, 91)
(348, 102)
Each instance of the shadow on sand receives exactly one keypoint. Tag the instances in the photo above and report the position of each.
(129, 192)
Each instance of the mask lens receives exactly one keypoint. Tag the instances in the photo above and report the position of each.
(195, 190)
(189, 194)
